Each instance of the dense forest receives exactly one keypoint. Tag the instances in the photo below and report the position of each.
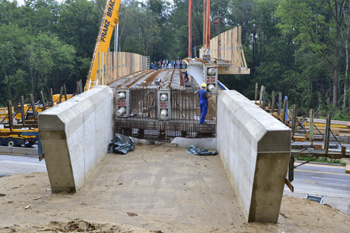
(297, 47)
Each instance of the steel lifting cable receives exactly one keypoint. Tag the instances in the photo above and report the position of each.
(194, 31)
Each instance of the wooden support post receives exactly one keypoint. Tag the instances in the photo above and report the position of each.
(81, 86)
(51, 97)
(291, 169)
(65, 92)
(9, 108)
(294, 119)
(327, 133)
(279, 104)
(284, 112)
(78, 88)
(33, 106)
(264, 98)
(311, 130)
(256, 92)
(61, 93)
(273, 103)
(261, 94)
(22, 110)
(43, 100)
(290, 186)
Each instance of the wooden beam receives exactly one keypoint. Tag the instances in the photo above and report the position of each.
(51, 97)
(22, 109)
(65, 92)
(33, 105)
(273, 103)
(9, 109)
(43, 100)
(233, 70)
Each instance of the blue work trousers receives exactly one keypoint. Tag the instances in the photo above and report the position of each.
(204, 110)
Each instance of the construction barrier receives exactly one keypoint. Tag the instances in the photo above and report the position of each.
(114, 65)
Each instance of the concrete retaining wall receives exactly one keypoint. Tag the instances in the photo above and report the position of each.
(255, 149)
(75, 136)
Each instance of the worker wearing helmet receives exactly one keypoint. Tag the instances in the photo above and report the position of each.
(203, 102)
(185, 76)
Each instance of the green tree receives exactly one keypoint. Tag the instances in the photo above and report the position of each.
(50, 62)
(318, 24)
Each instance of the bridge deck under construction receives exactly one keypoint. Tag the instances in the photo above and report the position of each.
(143, 121)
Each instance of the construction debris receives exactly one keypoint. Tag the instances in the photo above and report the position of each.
(121, 145)
(197, 151)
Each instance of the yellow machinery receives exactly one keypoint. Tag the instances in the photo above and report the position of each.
(17, 137)
(38, 107)
(109, 21)
(26, 131)
(4, 114)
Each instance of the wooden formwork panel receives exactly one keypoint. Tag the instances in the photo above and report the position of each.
(113, 65)
(229, 45)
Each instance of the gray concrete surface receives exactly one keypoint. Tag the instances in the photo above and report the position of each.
(183, 192)
(255, 149)
(75, 136)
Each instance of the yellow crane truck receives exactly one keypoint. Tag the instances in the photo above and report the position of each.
(25, 133)
(18, 137)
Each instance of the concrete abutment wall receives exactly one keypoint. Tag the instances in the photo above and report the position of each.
(75, 136)
(255, 149)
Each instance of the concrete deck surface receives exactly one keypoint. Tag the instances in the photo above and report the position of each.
(187, 193)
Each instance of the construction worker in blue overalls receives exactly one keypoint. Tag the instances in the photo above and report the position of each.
(185, 76)
(203, 102)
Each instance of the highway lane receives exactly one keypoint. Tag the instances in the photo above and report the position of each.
(11, 164)
(323, 179)
(329, 181)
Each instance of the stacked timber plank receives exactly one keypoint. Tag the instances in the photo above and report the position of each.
(339, 128)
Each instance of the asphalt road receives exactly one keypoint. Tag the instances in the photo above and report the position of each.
(328, 181)
(18, 164)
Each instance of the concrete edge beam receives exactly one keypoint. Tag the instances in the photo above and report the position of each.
(75, 136)
(255, 150)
